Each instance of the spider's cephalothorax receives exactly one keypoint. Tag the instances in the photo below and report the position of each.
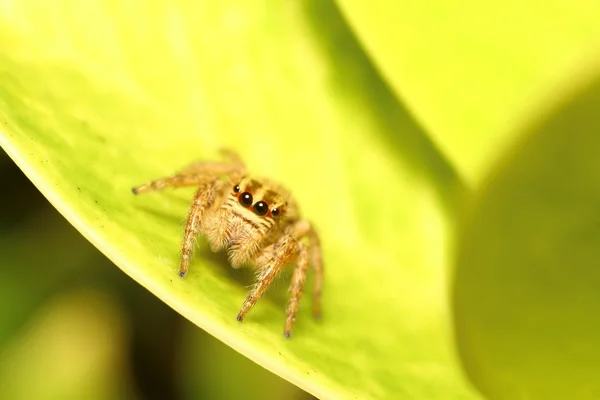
(256, 221)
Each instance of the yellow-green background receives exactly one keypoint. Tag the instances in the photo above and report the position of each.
(445, 150)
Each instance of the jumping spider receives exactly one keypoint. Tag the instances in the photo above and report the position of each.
(256, 221)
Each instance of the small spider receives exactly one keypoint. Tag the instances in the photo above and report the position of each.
(256, 221)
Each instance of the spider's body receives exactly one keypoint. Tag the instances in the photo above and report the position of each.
(235, 222)
(256, 221)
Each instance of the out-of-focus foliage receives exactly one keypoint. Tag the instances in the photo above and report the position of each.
(219, 372)
(71, 350)
(474, 71)
(528, 273)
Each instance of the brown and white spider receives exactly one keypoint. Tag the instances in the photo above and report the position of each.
(256, 221)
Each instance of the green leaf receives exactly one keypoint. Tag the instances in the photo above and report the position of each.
(100, 96)
(473, 71)
(527, 281)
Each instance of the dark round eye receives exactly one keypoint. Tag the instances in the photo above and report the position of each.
(246, 199)
(261, 208)
(236, 188)
(275, 212)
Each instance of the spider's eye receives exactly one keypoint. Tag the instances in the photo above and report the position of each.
(261, 208)
(246, 199)
(275, 212)
(236, 188)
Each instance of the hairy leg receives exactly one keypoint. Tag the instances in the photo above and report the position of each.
(172, 181)
(207, 177)
(301, 229)
(202, 200)
(195, 174)
(296, 287)
(284, 252)
(316, 260)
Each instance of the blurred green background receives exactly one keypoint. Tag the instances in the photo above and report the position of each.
(73, 326)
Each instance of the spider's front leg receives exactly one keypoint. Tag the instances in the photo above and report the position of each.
(270, 261)
(203, 200)
(196, 174)
(205, 175)
(179, 180)
(301, 229)
(296, 288)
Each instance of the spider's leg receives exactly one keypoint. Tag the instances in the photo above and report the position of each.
(283, 253)
(316, 260)
(301, 229)
(296, 287)
(193, 175)
(203, 200)
(171, 181)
